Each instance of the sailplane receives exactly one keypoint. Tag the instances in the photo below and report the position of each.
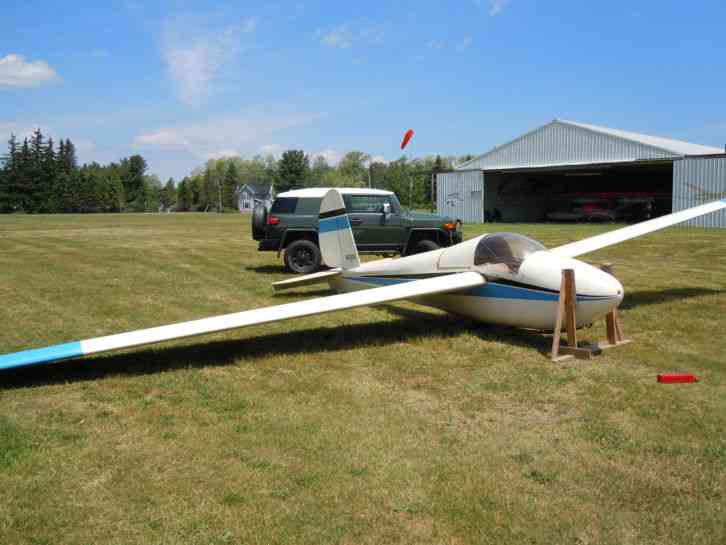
(499, 278)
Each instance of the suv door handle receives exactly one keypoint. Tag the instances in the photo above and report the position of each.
(356, 221)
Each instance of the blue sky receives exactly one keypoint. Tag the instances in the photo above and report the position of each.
(180, 82)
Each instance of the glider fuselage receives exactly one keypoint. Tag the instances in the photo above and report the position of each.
(524, 294)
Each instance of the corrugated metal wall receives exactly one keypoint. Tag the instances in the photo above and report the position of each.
(699, 181)
(460, 195)
(561, 144)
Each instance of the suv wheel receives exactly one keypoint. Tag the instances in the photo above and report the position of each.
(302, 256)
(423, 246)
(259, 219)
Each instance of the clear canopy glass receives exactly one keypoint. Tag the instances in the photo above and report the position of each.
(506, 249)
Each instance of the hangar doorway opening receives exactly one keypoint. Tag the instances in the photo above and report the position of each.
(603, 193)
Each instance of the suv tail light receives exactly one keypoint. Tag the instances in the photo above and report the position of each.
(273, 220)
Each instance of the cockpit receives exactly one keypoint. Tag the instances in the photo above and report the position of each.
(505, 251)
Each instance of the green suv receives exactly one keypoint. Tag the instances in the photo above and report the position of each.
(380, 226)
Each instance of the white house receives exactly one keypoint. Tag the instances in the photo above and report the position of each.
(250, 194)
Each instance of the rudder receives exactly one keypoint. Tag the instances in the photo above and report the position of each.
(337, 244)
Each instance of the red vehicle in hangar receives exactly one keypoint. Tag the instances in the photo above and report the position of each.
(599, 206)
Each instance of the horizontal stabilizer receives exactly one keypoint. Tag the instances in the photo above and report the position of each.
(307, 280)
(321, 305)
(591, 244)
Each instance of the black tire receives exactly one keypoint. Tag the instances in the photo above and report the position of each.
(259, 220)
(302, 257)
(423, 246)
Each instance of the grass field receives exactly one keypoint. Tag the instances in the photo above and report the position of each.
(395, 424)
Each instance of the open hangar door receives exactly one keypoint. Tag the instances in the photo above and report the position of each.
(614, 192)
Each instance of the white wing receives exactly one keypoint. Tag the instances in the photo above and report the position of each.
(591, 244)
(373, 296)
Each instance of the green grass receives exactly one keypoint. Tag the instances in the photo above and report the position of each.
(395, 424)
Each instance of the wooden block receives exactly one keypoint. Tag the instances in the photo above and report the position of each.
(608, 345)
(579, 353)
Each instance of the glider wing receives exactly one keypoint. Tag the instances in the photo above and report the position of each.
(288, 311)
(591, 244)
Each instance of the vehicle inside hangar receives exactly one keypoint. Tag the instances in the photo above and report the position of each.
(602, 193)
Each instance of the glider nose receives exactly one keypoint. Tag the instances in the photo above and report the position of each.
(613, 288)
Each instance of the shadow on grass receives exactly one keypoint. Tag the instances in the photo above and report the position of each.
(653, 297)
(277, 269)
(267, 269)
(297, 293)
(410, 326)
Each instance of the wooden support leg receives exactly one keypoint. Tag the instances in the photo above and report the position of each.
(566, 311)
(558, 321)
(612, 320)
(568, 275)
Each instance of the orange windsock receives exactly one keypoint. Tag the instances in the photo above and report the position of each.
(406, 138)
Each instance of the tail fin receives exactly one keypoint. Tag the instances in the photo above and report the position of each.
(334, 233)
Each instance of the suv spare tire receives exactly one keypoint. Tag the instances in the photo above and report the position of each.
(259, 219)
(302, 257)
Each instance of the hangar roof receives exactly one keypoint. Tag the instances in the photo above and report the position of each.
(570, 143)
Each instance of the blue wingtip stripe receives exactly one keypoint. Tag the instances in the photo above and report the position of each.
(336, 223)
(41, 355)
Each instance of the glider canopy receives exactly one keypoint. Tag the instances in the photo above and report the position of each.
(509, 249)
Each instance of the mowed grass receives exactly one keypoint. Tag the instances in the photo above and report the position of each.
(394, 424)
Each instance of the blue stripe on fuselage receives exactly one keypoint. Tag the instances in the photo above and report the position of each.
(336, 223)
(490, 289)
(41, 355)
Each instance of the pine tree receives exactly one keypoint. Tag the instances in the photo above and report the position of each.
(293, 169)
(168, 195)
(8, 177)
(132, 172)
(23, 187)
(229, 186)
(184, 196)
(49, 167)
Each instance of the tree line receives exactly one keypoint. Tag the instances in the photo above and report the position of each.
(38, 176)
(218, 180)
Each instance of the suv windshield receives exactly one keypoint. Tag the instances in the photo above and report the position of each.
(509, 249)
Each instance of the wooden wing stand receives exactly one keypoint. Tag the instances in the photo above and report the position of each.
(566, 314)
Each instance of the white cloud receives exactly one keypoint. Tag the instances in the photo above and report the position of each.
(220, 154)
(195, 58)
(272, 149)
(340, 37)
(15, 71)
(464, 43)
(166, 139)
(497, 6)
(242, 132)
(331, 156)
(357, 33)
(250, 25)
(378, 159)
(20, 129)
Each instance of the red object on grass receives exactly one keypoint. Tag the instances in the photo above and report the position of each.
(671, 378)
(406, 138)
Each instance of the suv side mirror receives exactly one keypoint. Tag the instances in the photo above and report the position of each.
(386, 209)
